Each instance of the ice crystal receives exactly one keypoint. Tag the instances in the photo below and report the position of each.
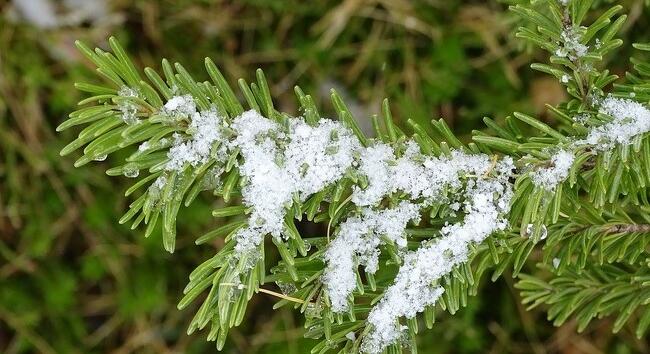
(543, 233)
(131, 171)
(100, 157)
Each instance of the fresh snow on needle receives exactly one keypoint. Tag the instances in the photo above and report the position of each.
(204, 133)
(309, 159)
(549, 177)
(358, 242)
(418, 282)
(421, 178)
(570, 45)
(629, 119)
(284, 163)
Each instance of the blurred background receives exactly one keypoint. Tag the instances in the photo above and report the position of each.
(74, 281)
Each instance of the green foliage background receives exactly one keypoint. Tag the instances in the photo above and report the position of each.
(74, 281)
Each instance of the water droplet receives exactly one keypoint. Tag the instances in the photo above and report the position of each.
(286, 288)
(544, 233)
(100, 157)
(351, 336)
(313, 310)
(131, 171)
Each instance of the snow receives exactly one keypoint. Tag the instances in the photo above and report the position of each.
(629, 118)
(416, 175)
(570, 46)
(417, 284)
(374, 165)
(280, 164)
(204, 138)
(284, 162)
(549, 177)
(422, 179)
(183, 106)
(358, 241)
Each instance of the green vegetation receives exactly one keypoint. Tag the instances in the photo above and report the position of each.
(73, 280)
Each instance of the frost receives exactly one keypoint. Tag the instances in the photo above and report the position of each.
(417, 285)
(358, 241)
(629, 118)
(549, 177)
(128, 108)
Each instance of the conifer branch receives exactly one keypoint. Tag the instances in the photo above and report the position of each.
(413, 221)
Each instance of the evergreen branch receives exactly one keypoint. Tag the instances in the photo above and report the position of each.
(412, 222)
(594, 292)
